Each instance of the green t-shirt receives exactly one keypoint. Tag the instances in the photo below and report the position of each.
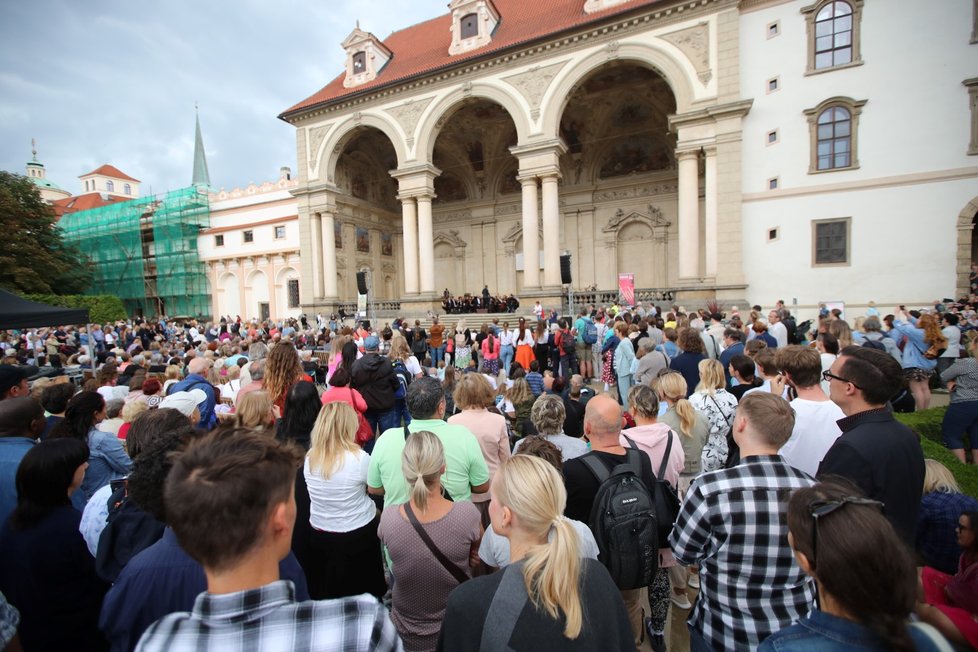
(465, 466)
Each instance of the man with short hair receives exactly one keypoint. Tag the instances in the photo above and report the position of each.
(816, 417)
(54, 400)
(195, 380)
(374, 378)
(584, 351)
(21, 421)
(574, 404)
(257, 382)
(602, 425)
(876, 452)
(733, 344)
(776, 328)
(732, 523)
(465, 467)
(230, 501)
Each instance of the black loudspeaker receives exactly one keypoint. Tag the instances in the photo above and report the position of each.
(565, 274)
(362, 282)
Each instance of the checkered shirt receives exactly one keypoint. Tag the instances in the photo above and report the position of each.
(269, 619)
(733, 524)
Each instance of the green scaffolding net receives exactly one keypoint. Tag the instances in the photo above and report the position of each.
(144, 251)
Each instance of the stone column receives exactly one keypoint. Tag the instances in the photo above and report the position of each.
(316, 226)
(551, 231)
(426, 245)
(710, 224)
(410, 225)
(531, 240)
(689, 214)
(329, 255)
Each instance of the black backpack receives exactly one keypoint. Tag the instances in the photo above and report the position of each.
(666, 498)
(874, 344)
(623, 521)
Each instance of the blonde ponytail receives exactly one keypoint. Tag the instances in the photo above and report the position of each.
(687, 416)
(421, 462)
(535, 493)
(673, 387)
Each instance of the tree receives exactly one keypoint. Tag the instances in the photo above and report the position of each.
(33, 255)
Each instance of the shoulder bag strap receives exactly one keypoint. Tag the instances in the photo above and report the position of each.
(455, 571)
(719, 409)
(504, 610)
(665, 459)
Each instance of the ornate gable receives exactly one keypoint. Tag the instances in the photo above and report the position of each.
(366, 56)
(473, 23)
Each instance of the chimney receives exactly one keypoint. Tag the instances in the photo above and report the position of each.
(285, 173)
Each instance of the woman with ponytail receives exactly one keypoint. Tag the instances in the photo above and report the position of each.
(548, 598)
(414, 531)
(691, 424)
(867, 583)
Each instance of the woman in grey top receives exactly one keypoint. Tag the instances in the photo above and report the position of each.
(682, 417)
(547, 416)
(962, 414)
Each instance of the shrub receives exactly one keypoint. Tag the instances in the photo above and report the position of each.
(102, 308)
(927, 424)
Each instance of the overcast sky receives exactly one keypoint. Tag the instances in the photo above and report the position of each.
(114, 82)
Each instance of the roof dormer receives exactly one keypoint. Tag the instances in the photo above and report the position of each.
(593, 6)
(365, 57)
(473, 22)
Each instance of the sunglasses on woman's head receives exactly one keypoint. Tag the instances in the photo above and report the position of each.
(819, 509)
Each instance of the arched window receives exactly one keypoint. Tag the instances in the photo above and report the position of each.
(110, 186)
(834, 125)
(127, 189)
(469, 25)
(833, 34)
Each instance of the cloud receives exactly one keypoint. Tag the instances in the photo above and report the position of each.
(107, 82)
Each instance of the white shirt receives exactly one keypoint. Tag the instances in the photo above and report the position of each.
(779, 332)
(413, 366)
(813, 435)
(953, 335)
(340, 504)
(766, 387)
(507, 338)
(494, 549)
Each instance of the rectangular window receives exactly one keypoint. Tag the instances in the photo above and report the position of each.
(772, 234)
(830, 241)
(773, 29)
(293, 293)
(248, 236)
(773, 183)
(219, 240)
(773, 84)
(279, 232)
(772, 137)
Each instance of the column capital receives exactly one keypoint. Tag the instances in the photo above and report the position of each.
(416, 180)
(541, 158)
(686, 154)
(709, 150)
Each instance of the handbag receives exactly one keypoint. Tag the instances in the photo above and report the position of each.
(364, 432)
(455, 571)
(666, 498)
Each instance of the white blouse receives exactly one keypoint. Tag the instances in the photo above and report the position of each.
(340, 504)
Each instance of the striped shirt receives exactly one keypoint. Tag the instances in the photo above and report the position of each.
(965, 374)
(733, 524)
(268, 618)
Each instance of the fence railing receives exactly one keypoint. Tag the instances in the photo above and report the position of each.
(607, 297)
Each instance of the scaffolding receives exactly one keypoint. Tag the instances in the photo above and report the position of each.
(144, 251)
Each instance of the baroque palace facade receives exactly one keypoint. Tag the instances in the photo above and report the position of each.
(709, 147)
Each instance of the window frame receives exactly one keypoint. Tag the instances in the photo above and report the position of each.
(275, 231)
(811, 13)
(461, 26)
(109, 185)
(219, 240)
(848, 234)
(247, 237)
(362, 56)
(127, 189)
(854, 107)
(289, 295)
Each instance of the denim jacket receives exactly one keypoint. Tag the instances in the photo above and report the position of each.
(913, 352)
(822, 632)
(107, 461)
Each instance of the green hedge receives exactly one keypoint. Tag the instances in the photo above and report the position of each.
(927, 424)
(102, 308)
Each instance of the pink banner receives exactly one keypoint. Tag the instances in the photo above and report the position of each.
(626, 288)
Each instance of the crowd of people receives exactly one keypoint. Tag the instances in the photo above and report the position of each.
(482, 302)
(554, 482)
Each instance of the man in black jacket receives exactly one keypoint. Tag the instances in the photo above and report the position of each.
(374, 378)
(875, 452)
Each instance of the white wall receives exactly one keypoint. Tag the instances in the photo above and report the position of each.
(913, 128)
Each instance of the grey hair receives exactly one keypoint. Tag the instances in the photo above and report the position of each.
(424, 395)
(257, 351)
(114, 407)
(547, 414)
(257, 369)
(872, 324)
(646, 344)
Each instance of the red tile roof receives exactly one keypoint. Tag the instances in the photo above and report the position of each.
(423, 48)
(110, 171)
(84, 202)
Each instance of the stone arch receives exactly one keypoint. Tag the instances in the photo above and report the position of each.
(443, 109)
(282, 278)
(339, 136)
(638, 242)
(659, 56)
(965, 226)
(229, 294)
(256, 292)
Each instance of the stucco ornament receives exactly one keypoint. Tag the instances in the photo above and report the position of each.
(694, 42)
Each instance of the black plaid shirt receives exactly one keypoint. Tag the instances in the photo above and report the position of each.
(732, 524)
(269, 619)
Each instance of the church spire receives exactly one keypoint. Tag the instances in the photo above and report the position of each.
(201, 176)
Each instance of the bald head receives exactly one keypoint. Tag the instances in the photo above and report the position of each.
(199, 366)
(21, 417)
(602, 419)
